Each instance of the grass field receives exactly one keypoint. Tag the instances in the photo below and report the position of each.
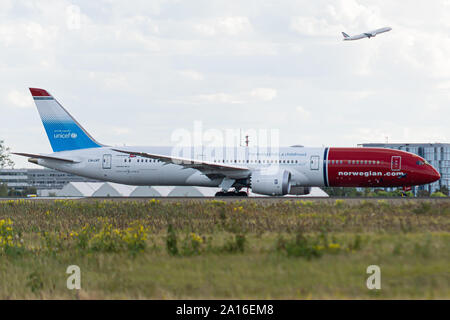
(296, 249)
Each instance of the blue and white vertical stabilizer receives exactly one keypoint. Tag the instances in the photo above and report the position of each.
(63, 131)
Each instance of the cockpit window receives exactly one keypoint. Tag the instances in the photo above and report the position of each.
(420, 162)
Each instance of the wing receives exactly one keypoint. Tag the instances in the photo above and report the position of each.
(45, 157)
(211, 169)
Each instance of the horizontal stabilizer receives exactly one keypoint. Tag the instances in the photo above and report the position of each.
(40, 156)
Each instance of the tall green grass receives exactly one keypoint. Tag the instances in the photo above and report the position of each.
(217, 249)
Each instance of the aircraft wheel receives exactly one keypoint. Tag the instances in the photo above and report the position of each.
(231, 194)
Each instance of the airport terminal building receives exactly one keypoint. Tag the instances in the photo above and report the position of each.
(41, 179)
(437, 154)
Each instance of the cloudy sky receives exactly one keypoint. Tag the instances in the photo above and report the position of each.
(132, 72)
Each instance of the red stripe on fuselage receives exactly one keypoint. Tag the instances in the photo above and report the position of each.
(374, 167)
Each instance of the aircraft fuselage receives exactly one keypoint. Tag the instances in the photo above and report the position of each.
(319, 167)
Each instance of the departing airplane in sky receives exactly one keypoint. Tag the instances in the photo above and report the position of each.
(277, 172)
(365, 34)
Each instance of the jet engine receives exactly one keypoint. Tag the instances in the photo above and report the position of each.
(300, 191)
(271, 183)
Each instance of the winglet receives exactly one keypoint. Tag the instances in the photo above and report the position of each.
(36, 92)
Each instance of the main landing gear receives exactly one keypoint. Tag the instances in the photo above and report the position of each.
(226, 184)
(231, 194)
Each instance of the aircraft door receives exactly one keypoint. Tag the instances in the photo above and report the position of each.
(314, 162)
(396, 163)
(106, 163)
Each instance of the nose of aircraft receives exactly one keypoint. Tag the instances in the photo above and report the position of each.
(433, 175)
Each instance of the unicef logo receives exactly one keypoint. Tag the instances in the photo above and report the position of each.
(67, 135)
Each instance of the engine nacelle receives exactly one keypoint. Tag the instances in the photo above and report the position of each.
(270, 183)
(300, 191)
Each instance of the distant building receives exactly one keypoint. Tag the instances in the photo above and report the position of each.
(437, 154)
(16, 179)
(41, 179)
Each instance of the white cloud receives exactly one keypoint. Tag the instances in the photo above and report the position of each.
(20, 99)
(192, 74)
(313, 26)
(360, 95)
(230, 26)
(120, 130)
(255, 95)
(219, 98)
(264, 94)
(137, 65)
(303, 113)
(205, 29)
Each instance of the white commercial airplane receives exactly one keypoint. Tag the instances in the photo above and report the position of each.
(279, 171)
(365, 34)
